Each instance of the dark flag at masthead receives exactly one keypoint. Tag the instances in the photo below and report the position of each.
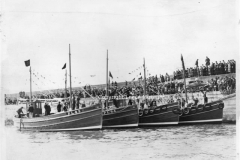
(110, 75)
(27, 63)
(64, 66)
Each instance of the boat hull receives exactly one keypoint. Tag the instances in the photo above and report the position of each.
(81, 119)
(124, 117)
(161, 116)
(211, 113)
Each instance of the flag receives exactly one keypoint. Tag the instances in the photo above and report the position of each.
(27, 63)
(64, 66)
(133, 79)
(110, 74)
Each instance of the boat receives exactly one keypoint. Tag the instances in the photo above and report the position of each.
(206, 112)
(124, 116)
(118, 113)
(203, 113)
(86, 118)
(161, 115)
(80, 119)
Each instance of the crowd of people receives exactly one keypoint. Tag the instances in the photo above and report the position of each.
(206, 70)
(223, 84)
(161, 85)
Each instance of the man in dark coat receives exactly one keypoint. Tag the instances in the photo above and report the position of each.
(59, 107)
(30, 110)
(74, 102)
(78, 99)
(47, 109)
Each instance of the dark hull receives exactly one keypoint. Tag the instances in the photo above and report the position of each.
(161, 116)
(82, 119)
(121, 118)
(212, 114)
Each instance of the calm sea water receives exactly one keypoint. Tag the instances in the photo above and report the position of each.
(178, 142)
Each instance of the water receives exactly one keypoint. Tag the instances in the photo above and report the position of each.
(177, 142)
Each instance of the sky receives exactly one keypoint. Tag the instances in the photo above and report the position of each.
(157, 30)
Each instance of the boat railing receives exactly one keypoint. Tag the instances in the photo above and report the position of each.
(80, 110)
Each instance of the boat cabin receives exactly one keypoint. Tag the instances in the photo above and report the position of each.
(37, 108)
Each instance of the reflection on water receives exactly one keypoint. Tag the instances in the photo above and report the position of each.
(179, 142)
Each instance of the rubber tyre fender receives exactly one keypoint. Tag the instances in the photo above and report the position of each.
(200, 108)
(221, 105)
(140, 112)
(193, 109)
(186, 110)
(151, 111)
(164, 108)
(145, 111)
(176, 110)
(208, 107)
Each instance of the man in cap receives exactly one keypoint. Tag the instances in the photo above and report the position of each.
(20, 112)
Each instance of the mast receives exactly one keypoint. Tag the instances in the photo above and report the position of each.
(65, 82)
(144, 76)
(184, 77)
(70, 77)
(30, 85)
(107, 81)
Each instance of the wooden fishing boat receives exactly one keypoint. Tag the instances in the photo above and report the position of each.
(190, 113)
(203, 113)
(118, 114)
(124, 116)
(80, 119)
(161, 115)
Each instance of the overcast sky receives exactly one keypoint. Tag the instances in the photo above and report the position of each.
(159, 30)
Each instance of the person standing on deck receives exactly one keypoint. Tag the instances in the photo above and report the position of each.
(30, 110)
(65, 108)
(49, 109)
(45, 107)
(59, 107)
(74, 102)
(78, 102)
(205, 98)
(195, 101)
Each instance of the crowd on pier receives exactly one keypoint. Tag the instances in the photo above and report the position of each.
(166, 84)
(155, 85)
